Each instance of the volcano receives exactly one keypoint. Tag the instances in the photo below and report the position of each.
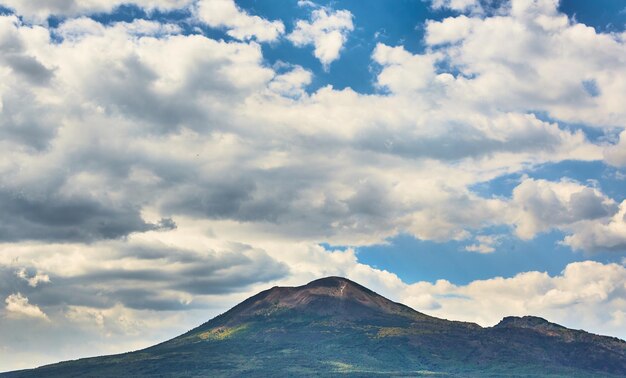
(336, 327)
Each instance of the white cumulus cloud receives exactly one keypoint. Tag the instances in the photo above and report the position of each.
(39, 11)
(240, 25)
(540, 205)
(457, 5)
(485, 244)
(586, 295)
(34, 279)
(17, 305)
(616, 153)
(576, 75)
(606, 235)
(327, 30)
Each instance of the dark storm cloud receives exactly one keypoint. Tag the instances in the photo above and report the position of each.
(52, 217)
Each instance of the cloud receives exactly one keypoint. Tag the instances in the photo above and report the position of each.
(33, 280)
(29, 68)
(24, 76)
(36, 216)
(291, 83)
(457, 5)
(540, 205)
(240, 25)
(491, 54)
(398, 63)
(138, 275)
(606, 235)
(449, 30)
(307, 3)
(485, 244)
(40, 11)
(616, 154)
(327, 31)
(17, 305)
(585, 295)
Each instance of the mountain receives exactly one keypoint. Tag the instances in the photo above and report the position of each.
(335, 327)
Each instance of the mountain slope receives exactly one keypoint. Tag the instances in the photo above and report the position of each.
(334, 326)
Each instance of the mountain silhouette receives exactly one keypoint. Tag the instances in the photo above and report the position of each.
(336, 327)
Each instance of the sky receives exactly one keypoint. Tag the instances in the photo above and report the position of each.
(162, 160)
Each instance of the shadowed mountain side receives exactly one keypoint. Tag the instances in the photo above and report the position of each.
(334, 326)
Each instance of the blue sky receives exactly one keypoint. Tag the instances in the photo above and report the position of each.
(163, 160)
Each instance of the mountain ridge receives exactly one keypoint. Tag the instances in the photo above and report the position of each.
(334, 326)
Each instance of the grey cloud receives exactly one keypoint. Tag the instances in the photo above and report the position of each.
(146, 299)
(586, 205)
(11, 43)
(29, 68)
(198, 99)
(26, 122)
(23, 119)
(128, 90)
(249, 196)
(278, 201)
(173, 274)
(52, 217)
(222, 198)
(457, 141)
(233, 276)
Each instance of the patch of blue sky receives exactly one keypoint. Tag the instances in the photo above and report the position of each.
(5, 11)
(591, 87)
(609, 179)
(416, 260)
(501, 186)
(603, 15)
